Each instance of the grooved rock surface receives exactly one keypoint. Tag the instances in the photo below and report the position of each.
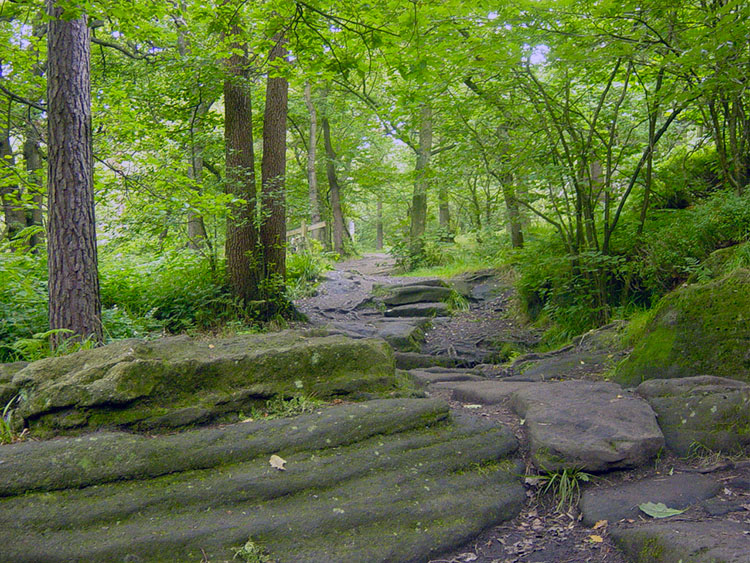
(589, 425)
(675, 491)
(178, 381)
(697, 329)
(386, 480)
(713, 412)
(684, 542)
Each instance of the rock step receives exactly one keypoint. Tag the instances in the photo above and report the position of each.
(349, 492)
(689, 542)
(419, 310)
(594, 426)
(425, 377)
(406, 295)
(415, 360)
(402, 334)
(620, 502)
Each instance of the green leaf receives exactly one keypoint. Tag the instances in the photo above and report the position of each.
(659, 510)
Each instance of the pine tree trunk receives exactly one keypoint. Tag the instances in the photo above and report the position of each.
(273, 171)
(74, 302)
(241, 247)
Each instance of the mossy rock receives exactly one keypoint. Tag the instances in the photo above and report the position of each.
(176, 381)
(697, 329)
(385, 480)
(701, 412)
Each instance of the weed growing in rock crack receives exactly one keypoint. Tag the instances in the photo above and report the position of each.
(457, 302)
(7, 434)
(282, 407)
(708, 457)
(251, 552)
(563, 485)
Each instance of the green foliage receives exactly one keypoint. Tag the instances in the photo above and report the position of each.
(251, 552)
(38, 346)
(304, 270)
(175, 292)
(564, 485)
(23, 300)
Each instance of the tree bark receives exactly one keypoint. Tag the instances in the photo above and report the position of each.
(273, 171)
(74, 301)
(333, 184)
(241, 247)
(33, 157)
(312, 177)
(379, 226)
(421, 181)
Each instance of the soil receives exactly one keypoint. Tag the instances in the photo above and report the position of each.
(541, 532)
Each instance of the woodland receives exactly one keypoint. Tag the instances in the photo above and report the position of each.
(598, 149)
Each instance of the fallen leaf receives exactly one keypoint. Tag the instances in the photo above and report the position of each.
(277, 462)
(468, 557)
(600, 524)
(659, 510)
(472, 406)
(596, 539)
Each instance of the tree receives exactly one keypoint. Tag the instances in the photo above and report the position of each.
(74, 302)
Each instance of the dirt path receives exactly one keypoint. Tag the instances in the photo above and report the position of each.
(480, 336)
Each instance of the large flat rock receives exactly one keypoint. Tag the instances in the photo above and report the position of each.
(387, 480)
(593, 426)
(176, 381)
(711, 412)
(684, 542)
(620, 502)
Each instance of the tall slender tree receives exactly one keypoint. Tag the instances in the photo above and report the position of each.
(74, 301)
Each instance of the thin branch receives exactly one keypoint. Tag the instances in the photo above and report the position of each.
(21, 99)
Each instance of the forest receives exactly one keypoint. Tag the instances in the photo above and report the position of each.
(599, 150)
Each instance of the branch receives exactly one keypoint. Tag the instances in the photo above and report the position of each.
(122, 49)
(17, 98)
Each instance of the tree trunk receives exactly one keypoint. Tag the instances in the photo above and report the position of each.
(74, 302)
(379, 226)
(241, 247)
(421, 181)
(273, 171)
(445, 210)
(11, 195)
(333, 184)
(197, 235)
(33, 157)
(312, 177)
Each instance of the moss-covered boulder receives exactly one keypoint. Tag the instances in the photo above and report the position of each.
(173, 382)
(7, 389)
(701, 412)
(385, 480)
(696, 330)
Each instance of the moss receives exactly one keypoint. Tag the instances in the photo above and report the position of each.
(698, 329)
(651, 552)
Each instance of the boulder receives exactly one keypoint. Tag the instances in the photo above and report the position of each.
(408, 294)
(587, 425)
(620, 502)
(697, 329)
(703, 411)
(176, 381)
(484, 392)
(707, 541)
(386, 480)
